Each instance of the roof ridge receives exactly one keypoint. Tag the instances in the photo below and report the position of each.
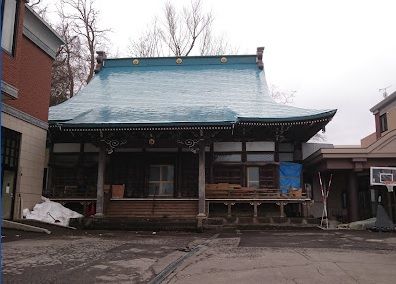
(177, 61)
(175, 57)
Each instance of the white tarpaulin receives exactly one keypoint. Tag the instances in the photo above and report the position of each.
(44, 210)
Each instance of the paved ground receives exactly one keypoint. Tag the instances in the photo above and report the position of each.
(92, 256)
(293, 257)
(288, 256)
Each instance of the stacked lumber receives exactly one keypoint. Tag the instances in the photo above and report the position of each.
(236, 191)
(219, 190)
(268, 193)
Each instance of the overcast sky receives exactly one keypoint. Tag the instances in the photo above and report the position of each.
(335, 54)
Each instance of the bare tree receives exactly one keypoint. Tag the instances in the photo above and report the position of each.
(84, 22)
(284, 97)
(40, 8)
(149, 43)
(280, 96)
(69, 68)
(182, 30)
(75, 61)
(32, 4)
(212, 44)
(180, 33)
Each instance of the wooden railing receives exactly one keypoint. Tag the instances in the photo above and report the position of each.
(71, 191)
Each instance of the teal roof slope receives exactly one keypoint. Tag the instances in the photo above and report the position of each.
(200, 90)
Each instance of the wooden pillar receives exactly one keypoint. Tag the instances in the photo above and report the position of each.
(211, 159)
(297, 153)
(243, 181)
(201, 185)
(255, 211)
(100, 181)
(276, 154)
(282, 208)
(353, 209)
(201, 180)
(229, 212)
(304, 209)
(179, 172)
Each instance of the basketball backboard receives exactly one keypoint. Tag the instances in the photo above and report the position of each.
(383, 176)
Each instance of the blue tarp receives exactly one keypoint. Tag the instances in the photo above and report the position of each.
(289, 176)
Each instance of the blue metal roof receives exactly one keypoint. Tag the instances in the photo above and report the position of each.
(200, 90)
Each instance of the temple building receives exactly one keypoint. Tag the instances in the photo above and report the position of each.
(179, 137)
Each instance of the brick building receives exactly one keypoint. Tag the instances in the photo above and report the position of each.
(29, 47)
(353, 196)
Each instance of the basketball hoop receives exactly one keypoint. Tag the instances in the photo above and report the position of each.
(383, 176)
(389, 185)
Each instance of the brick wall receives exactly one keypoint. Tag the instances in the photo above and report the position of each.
(29, 70)
(10, 63)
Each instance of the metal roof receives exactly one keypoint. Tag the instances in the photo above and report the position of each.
(199, 90)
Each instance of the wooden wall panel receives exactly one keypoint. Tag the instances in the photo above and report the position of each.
(153, 209)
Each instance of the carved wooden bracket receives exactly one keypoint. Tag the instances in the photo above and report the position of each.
(279, 133)
(192, 144)
(113, 143)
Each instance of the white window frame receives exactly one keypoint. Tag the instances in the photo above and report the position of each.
(249, 181)
(384, 122)
(161, 182)
(9, 25)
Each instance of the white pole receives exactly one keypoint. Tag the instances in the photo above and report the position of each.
(323, 199)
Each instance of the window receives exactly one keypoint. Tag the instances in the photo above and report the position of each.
(383, 123)
(161, 180)
(253, 177)
(227, 157)
(10, 145)
(9, 16)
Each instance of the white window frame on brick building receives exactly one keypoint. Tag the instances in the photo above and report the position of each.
(9, 11)
(383, 122)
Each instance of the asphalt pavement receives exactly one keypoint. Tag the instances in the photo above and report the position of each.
(234, 256)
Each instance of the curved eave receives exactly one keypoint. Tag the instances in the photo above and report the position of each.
(304, 120)
(324, 115)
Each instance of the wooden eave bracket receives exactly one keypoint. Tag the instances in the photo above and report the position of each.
(101, 56)
(259, 59)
